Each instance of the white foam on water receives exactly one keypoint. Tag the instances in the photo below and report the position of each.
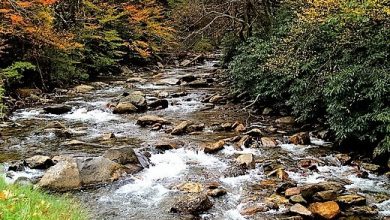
(26, 114)
(239, 180)
(230, 150)
(384, 208)
(28, 173)
(82, 114)
(296, 149)
(233, 214)
(318, 142)
(169, 165)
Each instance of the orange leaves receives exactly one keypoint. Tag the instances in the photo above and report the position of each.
(16, 19)
(47, 2)
(24, 4)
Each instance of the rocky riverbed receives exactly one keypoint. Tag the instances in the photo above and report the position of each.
(170, 144)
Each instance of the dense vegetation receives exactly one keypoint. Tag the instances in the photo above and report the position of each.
(45, 43)
(327, 61)
(23, 202)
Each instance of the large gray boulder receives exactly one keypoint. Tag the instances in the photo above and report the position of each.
(99, 170)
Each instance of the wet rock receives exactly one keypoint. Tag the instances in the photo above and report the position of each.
(240, 128)
(179, 94)
(292, 191)
(16, 166)
(251, 210)
(277, 199)
(57, 109)
(39, 162)
(59, 158)
(169, 145)
(83, 88)
(302, 138)
(309, 190)
(254, 132)
(108, 136)
(181, 128)
(362, 211)
(136, 80)
(323, 196)
(98, 170)
(344, 159)
(163, 94)
(159, 104)
(226, 126)
(215, 147)
(191, 203)
(195, 128)
(55, 124)
(325, 210)
(284, 186)
(245, 141)
(279, 173)
(370, 167)
(286, 120)
(268, 142)
(217, 99)
(122, 155)
(99, 84)
(300, 210)
(267, 111)
(62, 177)
(246, 160)
(217, 192)
(125, 108)
(297, 199)
(150, 120)
(187, 79)
(199, 83)
(190, 187)
(235, 171)
(137, 99)
(349, 200)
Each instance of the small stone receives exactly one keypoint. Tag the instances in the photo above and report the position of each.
(326, 210)
(121, 155)
(83, 88)
(292, 191)
(297, 199)
(191, 203)
(370, 167)
(108, 136)
(181, 128)
(363, 210)
(254, 209)
(245, 141)
(190, 187)
(125, 108)
(240, 128)
(58, 109)
(268, 142)
(344, 159)
(300, 210)
(255, 132)
(277, 199)
(39, 162)
(168, 145)
(136, 80)
(217, 192)
(267, 111)
(212, 148)
(302, 138)
(286, 120)
(217, 99)
(151, 120)
(323, 196)
(279, 173)
(247, 160)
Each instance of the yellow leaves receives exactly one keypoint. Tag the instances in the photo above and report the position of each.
(5, 194)
(142, 48)
(24, 4)
(16, 19)
(4, 10)
(47, 2)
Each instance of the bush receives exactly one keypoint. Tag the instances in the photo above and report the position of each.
(327, 62)
(24, 202)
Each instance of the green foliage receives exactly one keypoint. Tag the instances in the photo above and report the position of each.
(203, 45)
(24, 202)
(327, 65)
(16, 70)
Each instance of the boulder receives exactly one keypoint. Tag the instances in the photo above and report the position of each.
(98, 170)
(122, 155)
(151, 120)
(191, 203)
(302, 138)
(83, 88)
(247, 160)
(350, 200)
(289, 120)
(159, 104)
(39, 162)
(62, 177)
(137, 99)
(181, 128)
(57, 109)
(212, 148)
(300, 210)
(125, 108)
(268, 142)
(325, 210)
(168, 145)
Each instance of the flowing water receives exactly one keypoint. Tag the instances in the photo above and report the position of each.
(150, 193)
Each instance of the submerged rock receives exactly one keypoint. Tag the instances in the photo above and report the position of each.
(58, 109)
(63, 176)
(191, 203)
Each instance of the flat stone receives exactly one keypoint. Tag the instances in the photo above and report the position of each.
(292, 191)
(121, 155)
(83, 88)
(323, 196)
(181, 128)
(215, 147)
(268, 142)
(286, 120)
(349, 200)
(251, 210)
(190, 187)
(300, 210)
(125, 108)
(297, 199)
(150, 120)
